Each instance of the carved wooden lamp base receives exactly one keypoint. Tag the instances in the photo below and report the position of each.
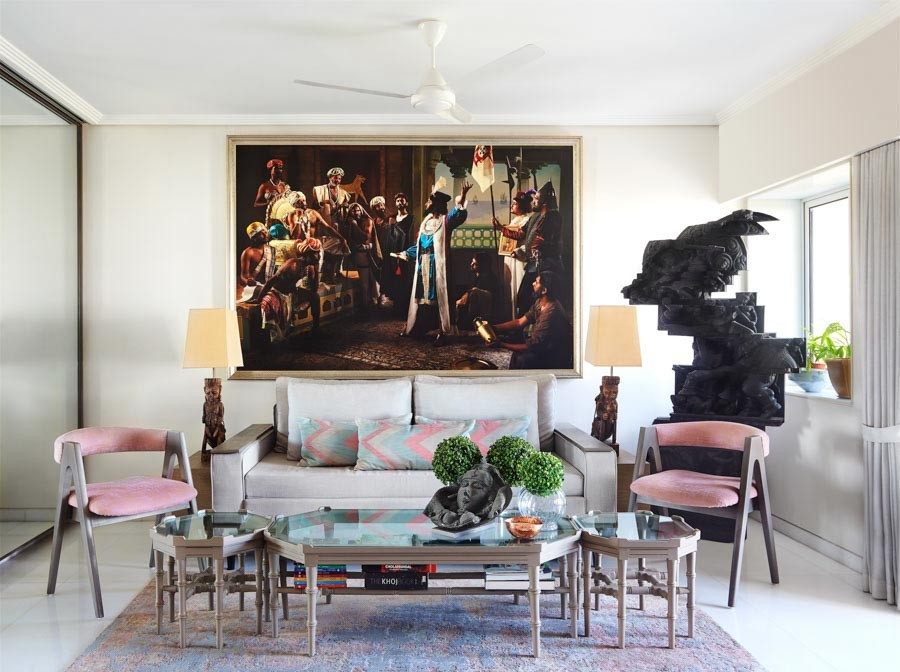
(606, 413)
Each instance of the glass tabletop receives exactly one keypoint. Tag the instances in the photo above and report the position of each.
(394, 527)
(631, 526)
(210, 524)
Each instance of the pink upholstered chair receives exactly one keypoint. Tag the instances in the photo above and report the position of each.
(93, 504)
(722, 496)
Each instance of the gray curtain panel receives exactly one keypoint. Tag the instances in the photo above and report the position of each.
(876, 359)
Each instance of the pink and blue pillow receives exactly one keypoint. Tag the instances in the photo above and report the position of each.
(333, 443)
(485, 432)
(385, 446)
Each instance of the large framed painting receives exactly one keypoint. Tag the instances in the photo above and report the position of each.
(366, 257)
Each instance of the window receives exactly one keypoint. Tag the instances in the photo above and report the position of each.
(827, 253)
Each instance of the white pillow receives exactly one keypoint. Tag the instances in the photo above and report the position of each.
(484, 401)
(546, 383)
(343, 400)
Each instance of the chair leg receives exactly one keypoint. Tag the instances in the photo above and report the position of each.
(737, 556)
(87, 534)
(765, 515)
(632, 501)
(58, 530)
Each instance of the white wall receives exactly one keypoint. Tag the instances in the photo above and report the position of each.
(38, 304)
(845, 105)
(155, 241)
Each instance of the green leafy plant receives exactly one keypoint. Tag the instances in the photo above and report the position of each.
(453, 457)
(833, 343)
(506, 453)
(541, 473)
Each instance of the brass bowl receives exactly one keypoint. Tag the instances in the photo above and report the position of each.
(524, 527)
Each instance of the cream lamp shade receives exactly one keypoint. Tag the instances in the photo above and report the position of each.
(612, 337)
(212, 339)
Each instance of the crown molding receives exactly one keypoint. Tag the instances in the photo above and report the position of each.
(411, 119)
(861, 31)
(25, 66)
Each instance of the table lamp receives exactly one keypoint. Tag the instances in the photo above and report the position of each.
(612, 340)
(212, 341)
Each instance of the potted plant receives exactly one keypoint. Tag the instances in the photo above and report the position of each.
(811, 378)
(542, 477)
(506, 453)
(829, 351)
(453, 457)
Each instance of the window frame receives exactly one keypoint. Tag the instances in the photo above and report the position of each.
(809, 204)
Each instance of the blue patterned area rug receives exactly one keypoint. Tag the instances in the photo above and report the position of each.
(414, 634)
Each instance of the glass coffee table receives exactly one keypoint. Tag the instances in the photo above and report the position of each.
(207, 534)
(406, 536)
(642, 536)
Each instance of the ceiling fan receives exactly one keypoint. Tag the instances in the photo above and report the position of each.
(434, 95)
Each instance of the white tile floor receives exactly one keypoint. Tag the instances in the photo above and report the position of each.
(816, 619)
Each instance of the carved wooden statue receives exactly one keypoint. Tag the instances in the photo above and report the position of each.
(213, 416)
(606, 413)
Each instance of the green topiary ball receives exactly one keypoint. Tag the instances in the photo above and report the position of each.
(541, 473)
(453, 457)
(506, 453)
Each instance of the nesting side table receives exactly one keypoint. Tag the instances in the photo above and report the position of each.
(207, 534)
(642, 536)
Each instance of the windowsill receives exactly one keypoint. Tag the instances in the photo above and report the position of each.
(828, 394)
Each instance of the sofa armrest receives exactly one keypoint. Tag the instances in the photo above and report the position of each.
(232, 460)
(596, 461)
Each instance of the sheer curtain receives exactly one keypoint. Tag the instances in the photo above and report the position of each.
(876, 359)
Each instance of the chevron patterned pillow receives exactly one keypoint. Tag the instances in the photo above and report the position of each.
(333, 443)
(485, 432)
(386, 446)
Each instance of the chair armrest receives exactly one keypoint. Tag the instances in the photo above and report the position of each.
(596, 461)
(232, 460)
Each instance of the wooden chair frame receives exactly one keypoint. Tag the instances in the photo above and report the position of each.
(753, 472)
(72, 477)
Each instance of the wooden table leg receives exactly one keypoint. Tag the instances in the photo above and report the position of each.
(182, 601)
(691, 573)
(563, 584)
(273, 591)
(312, 592)
(598, 561)
(242, 567)
(286, 582)
(623, 574)
(573, 593)
(219, 564)
(672, 589)
(586, 580)
(534, 594)
(258, 561)
(158, 561)
(642, 565)
(265, 557)
(172, 581)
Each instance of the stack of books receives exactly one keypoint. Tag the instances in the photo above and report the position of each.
(396, 577)
(515, 577)
(328, 576)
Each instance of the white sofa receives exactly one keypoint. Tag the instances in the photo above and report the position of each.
(249, 471)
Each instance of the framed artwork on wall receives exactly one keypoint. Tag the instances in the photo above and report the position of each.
(370, 257)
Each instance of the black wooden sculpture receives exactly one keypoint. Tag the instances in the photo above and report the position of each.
(738, 369)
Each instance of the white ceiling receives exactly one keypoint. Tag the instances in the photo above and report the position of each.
(606, 61)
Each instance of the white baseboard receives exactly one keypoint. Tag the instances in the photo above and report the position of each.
(829, 550)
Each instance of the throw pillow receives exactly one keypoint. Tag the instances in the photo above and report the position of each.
(384, 445)
(486, 432)
(333, 443)
(343, 400)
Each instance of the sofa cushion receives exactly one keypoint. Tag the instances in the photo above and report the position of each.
(512, 398)
(343, 400)
(387, 445)
(333, 443)
(485, 432)
(276, 477)
(546, 402)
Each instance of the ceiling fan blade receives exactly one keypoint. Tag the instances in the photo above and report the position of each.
(337, 87)
(457, 113)
(514, 59)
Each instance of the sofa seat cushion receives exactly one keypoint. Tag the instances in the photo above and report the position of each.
(690, 488)
(138, 494)
(275, 477)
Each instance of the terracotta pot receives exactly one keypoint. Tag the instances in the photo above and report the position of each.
(840, 374)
